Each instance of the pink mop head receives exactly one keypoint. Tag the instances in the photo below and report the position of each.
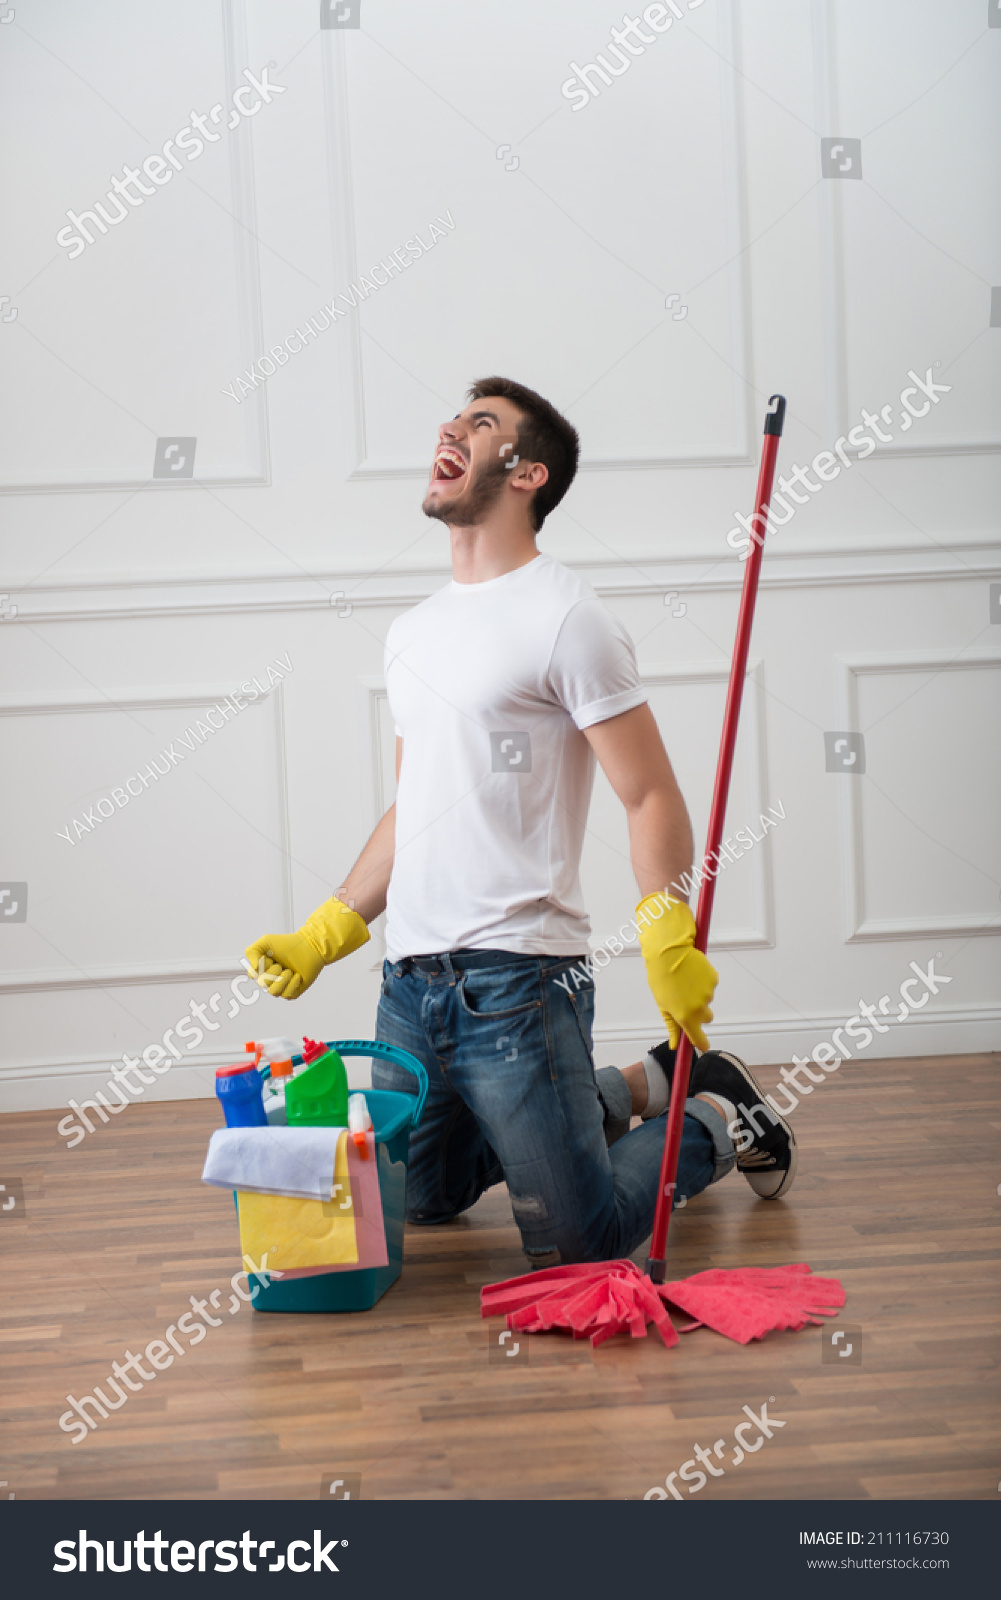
(594, 1301)
(599, 1300)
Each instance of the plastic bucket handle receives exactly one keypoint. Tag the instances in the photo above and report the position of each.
(385, 1052)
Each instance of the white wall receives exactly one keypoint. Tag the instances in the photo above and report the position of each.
(697, 173)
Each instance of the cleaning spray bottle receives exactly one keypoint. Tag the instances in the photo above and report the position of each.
(359, 1123)
(278, 1054)
(318, 1098)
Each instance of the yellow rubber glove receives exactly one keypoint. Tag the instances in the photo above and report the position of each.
(681, 978)
(295, 960)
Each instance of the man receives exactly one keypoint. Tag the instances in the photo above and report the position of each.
(505, 686)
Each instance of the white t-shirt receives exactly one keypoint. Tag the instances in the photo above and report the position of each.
(490, 685)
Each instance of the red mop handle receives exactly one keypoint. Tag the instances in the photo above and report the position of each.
(657, 1261)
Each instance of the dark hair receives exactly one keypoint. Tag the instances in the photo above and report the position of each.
(543, 435)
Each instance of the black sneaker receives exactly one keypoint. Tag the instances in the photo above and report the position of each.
(765, 1143)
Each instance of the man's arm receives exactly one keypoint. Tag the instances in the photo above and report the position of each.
(682, 981)
(631, 754)
(366, 885)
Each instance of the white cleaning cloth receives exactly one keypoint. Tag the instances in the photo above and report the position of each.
(298, 1162)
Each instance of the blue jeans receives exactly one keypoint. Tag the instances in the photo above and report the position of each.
(513, 1098)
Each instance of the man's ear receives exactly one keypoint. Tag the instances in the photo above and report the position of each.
(530, 475)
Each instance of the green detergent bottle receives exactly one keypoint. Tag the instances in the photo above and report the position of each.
(318, 1098)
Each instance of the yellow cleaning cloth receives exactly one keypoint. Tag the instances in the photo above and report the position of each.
(284, 1233)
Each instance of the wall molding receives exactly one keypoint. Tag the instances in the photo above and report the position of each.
(860, 928)
(368, 471)
(156, 972)
(776, 1038)
(371, 693)
(344, 253)
(47, 1085)
(179, 697)
(121, 598)
(99, 1067)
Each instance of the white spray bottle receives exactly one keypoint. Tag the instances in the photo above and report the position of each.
(359, 1123)
(278, 1054)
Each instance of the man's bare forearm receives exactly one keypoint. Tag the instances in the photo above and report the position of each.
(366, 885)
(660, 842)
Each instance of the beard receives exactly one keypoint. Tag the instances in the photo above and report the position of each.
(479, 496)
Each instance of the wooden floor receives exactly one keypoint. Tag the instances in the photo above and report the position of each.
(897, 1195)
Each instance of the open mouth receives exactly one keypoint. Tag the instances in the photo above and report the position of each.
(448, 464)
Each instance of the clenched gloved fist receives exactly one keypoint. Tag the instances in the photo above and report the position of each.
(295, 960)
(681, 979)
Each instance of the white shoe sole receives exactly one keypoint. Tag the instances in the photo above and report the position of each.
(789, 1175)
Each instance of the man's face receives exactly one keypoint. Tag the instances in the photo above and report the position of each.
(475, 454)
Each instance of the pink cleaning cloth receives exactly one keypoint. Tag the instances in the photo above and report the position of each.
(745, 1303)
(370, 1228)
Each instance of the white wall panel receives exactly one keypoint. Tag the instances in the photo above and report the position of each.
(112, 347)
(914, 245)
(105, 906)
(924, 853)
(697, 173)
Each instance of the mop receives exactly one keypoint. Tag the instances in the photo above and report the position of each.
(599, 1300)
